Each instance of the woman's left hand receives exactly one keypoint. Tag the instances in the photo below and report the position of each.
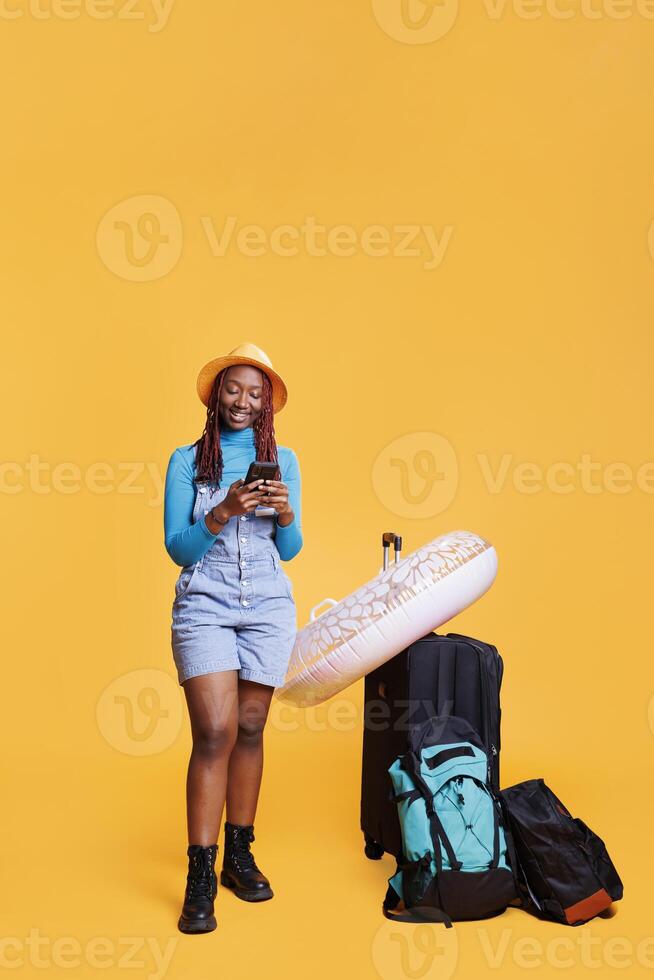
(274, 494)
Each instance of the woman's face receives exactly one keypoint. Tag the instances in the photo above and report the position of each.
(241, 398)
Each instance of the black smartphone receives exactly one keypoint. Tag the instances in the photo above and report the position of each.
(261, 470)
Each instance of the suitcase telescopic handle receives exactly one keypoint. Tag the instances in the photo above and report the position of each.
(391, 538)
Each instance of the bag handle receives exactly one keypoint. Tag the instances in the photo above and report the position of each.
(312, 614)
(445, 755)
(427, 727)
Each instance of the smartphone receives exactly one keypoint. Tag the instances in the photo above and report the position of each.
(261, 470)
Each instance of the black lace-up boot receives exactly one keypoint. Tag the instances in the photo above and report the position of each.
(201, 887)
(240, 872)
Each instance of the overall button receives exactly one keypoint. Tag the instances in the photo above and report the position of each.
(244, 540)
(245, 602)
(244, 582)
(243, 517)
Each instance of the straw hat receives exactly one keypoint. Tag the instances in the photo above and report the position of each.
(243, 354)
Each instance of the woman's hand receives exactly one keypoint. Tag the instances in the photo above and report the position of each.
(241, 498)
(275, 495)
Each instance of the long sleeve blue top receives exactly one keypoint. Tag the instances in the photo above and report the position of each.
(187, 542)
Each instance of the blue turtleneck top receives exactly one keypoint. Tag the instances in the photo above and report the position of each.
(187, 542)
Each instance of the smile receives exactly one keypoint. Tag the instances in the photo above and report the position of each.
(238, 415)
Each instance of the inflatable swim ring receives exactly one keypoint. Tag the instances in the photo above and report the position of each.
(405, 601)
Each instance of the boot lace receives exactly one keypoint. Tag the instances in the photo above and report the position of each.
(242, 855)
(200, 879)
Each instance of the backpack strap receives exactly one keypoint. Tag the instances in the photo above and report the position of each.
(496, 832)
(458, 751)
(496, 837)
(496, 823)
(437, 835)
(411, 763)
(420, 913)
(408, 794)
(417, 913)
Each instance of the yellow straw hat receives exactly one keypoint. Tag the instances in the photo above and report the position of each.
(243, 354)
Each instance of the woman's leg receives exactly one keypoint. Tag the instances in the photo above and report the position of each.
(246, 761)
(213, 704)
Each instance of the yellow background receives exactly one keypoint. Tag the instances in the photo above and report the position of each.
(531, 139)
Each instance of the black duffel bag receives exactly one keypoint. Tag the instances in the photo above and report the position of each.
(566, 873)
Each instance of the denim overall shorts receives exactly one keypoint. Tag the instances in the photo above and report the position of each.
(234, 608)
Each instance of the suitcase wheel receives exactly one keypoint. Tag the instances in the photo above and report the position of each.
(372, 849)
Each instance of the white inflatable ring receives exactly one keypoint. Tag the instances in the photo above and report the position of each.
(409, 599)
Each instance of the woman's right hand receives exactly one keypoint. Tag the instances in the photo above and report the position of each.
(241, 498)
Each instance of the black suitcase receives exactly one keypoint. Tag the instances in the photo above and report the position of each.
(451, 674)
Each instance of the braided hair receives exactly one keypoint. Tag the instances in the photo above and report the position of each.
(209, 456)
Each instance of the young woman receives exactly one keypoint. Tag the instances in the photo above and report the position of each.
(233, 616)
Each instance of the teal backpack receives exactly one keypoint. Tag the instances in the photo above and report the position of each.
(457, 860)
